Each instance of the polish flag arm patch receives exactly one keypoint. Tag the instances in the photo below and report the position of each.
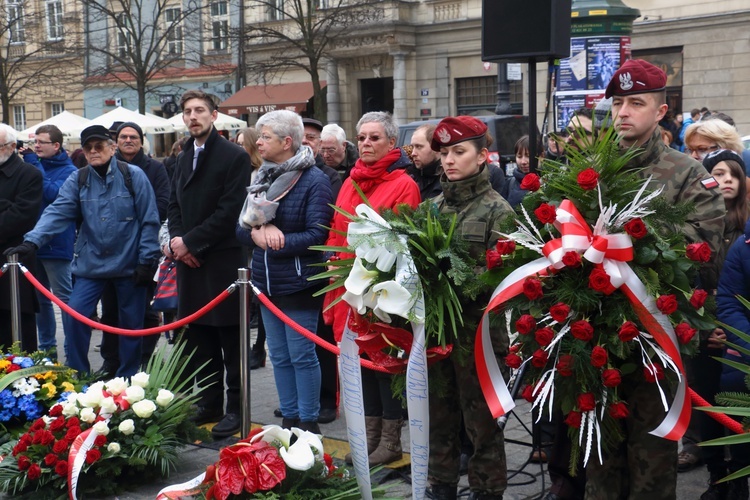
(710, 183)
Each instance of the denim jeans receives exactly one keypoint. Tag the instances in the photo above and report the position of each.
(54, 274)
(131, 302)
(295, 364)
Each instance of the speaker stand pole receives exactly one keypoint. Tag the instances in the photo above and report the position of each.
(532, 116)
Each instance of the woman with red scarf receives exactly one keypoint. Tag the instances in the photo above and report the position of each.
(380, 173)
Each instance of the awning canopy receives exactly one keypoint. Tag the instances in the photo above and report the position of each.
(264, 98)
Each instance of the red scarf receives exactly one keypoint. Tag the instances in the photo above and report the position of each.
(369, 176)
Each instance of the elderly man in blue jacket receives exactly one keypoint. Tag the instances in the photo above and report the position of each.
(117, 243)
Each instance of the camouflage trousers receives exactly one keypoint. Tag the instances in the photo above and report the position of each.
(462, 395)
(642, 466)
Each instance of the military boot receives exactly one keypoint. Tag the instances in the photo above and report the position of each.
(442, 491)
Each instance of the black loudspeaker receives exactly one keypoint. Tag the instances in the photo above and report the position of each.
(520, 30)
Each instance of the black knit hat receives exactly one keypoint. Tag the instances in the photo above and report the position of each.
(720, 155)
(132, 125)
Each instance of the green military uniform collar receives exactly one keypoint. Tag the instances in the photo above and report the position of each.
(459, 193)
(650, 151)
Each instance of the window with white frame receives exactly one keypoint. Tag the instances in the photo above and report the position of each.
(55, 108)
(123, 35)
(173, 27)
(276, 10)
(19, 117)
(54, 20)
(14, 9)
(219, 26)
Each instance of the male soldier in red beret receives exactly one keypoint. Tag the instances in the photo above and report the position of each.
(643, 465)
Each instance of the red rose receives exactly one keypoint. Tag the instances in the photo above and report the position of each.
(525, 324)
(60, 446)
(528, 393)
(23, 462)
(539, 358)
(57, 424)
(56, 411)
(565, 365)
(61, 468)
(515, 348)
(652, 373)
(611, 377)
(505, 247)
(698, 298)
(493, 259)
(699, 252)
(38, 424)
(73, 422)
(618, 410)
(586, 401)
(685, 332)
(588, 179)
(667, 304)
(46, 437)
(598, 357)
(582, 330)
(546, 213)
(571, 259)
(20, 448)
(530, 182)
(599, 281)
(573, 419)
(92, 456)
(544, 336)
(100, 440)
(636, 228)
(628, 331)
(559, 312)
(72, 433)
(513, 360)
(532, 288)
(50, 459)
(35, 472)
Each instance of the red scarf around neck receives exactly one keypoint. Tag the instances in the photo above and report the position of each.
(369, 176)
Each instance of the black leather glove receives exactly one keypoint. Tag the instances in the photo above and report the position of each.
(26, 251)
(144, 274)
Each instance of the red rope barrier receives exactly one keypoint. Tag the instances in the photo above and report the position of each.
(121, 331)
(722, 418)
(308, 334)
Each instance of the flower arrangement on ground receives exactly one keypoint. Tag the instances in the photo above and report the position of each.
(273, 463)
(30, 384)
(97, 439)
(596, 285)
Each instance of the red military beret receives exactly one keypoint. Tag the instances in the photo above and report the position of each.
(455, 129)
(636, 76)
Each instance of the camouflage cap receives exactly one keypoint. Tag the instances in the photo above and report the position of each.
(636, 76)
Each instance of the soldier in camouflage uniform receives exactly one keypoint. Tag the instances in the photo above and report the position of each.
(462, 142)
(644, 466)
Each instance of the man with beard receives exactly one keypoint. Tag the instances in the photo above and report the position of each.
(117, 244)
(20, 203)
(208, 191)
(129, 137)
(426, 169)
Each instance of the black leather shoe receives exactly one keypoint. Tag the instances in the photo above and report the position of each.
(288, 423)
(257, 358)
(277, 413)
(326, 415)
(228, 426)
(205, 415)
(310, 427)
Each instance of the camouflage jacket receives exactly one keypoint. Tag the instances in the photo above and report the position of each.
(681, 176)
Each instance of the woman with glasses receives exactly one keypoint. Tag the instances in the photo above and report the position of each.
(706, 136)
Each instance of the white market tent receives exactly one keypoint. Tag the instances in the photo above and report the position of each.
(70, 124)
(150, 124)
(223, 122)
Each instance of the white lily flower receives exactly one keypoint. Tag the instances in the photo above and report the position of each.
(359, 278)
(393, 298)
(311, 439)
(361, 302)
(274, 433)
(368, 213)
(299, 456)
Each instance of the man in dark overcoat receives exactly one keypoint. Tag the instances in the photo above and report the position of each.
(20, 204)
(208, 191)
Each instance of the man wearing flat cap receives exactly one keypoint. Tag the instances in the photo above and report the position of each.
(117, 244)
(643, 465)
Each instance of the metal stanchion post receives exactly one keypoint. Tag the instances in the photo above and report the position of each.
(244, 283)
(15, 299)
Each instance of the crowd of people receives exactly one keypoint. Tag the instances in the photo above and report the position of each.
(263, 198)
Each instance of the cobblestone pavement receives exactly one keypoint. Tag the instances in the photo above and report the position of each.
(526, 481)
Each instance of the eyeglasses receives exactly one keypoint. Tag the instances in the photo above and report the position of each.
(328, 151)
(43, 142)
(578, 133)
(7, 144)
(98, 146)
(702, 152)
(267, 138)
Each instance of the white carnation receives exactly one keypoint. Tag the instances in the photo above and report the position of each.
(144, 408)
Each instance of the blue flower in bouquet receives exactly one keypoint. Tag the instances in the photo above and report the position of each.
(30, 406)
(23, 361)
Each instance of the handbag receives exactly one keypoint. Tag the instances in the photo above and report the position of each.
(165, 295)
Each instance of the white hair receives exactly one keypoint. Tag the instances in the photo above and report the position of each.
(333, 131)
(10, 133)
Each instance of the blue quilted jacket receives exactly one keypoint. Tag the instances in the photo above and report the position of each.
(303, 215)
